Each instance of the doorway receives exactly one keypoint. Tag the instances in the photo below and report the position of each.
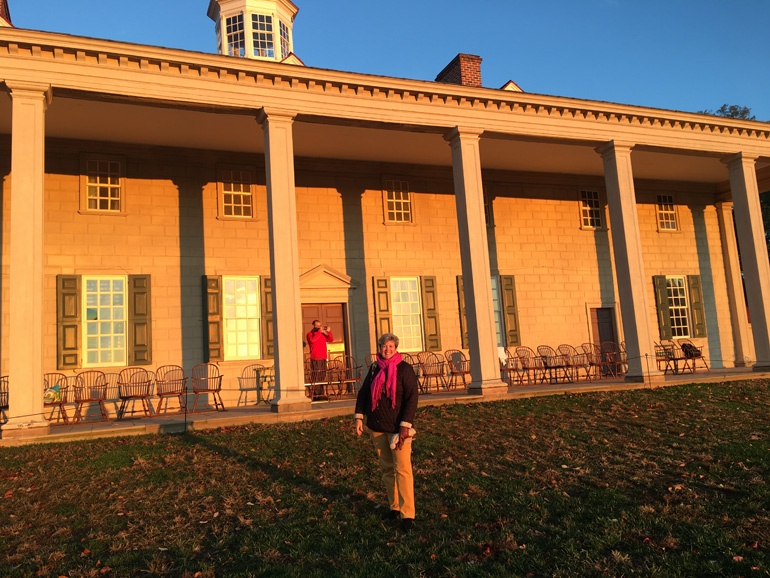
(333, 315)
(602, 325)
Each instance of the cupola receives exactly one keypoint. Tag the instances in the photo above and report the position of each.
(259, 29)
(5, 14)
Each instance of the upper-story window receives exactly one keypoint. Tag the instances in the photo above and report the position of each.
(236, 198)
(590, 210)
(236, 45)
(398, 202)
(102, 187)
(666, 213)
(285, 40)
(262, 30)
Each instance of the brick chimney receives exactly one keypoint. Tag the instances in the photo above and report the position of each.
(465, 70)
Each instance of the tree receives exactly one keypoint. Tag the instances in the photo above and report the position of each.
(731, 111)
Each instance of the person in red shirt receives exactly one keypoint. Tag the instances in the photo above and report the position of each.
(317, 338)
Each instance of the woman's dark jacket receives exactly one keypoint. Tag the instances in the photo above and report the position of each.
(385, 418)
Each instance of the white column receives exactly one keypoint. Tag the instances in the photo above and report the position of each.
(284, 260)
(632, 281)
(740, 320)
(474, 253)
(25, 374)
(751, 240)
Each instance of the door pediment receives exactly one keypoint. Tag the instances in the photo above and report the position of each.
(323, 284)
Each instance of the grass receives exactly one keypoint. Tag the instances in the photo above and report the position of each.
(669, 482)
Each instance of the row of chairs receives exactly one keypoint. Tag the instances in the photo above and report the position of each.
(435, 370)
(566, 363)
(133, 384)
(334, 378)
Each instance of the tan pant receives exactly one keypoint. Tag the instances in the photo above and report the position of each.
(396, 468)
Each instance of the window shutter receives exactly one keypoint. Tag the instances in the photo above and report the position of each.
(430, 321)
(510, 311)
(139, 320)
(697, 311)
(212, 294)
(268, 327)
(68, 321)
(382, 309)
(661, 301)
(463, 318)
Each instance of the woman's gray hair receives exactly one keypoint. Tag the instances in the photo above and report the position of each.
(385, 337)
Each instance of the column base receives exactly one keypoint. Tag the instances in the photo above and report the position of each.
(489, 387)
(290, 405)
(25, 428)
(761, 368)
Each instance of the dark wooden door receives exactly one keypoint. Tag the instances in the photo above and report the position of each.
(331, 314)
(602, 325)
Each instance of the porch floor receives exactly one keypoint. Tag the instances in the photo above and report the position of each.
(179, 423)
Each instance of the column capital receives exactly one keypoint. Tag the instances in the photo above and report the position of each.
(460, 132)
(740, 158)
(614, 146)
(724, 205)
(266, 114)
(30, 89)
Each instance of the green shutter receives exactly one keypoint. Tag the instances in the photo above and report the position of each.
(212, 303)
(268, 327)
(139, 320)
(696, 306)
(510, 311)
(430, 320)
(382, 309)
(463, 318)
(661, 302)
(68, 322)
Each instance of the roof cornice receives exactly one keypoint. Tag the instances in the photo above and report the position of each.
(21, 43)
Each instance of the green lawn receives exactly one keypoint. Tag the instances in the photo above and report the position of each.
(669, 482)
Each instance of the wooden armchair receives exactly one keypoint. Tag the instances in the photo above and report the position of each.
(611, 358)
(459, 366)
(432, 368)
(55, 393)
(370, 359)
(170, 381)
(249, 381)
(135, 383)
(574, 361)
(350, 375)
(207, 379)
(531, 364)
(693, 353)
(554, 364)
(509, 368)
(4, 393)
(91, 387)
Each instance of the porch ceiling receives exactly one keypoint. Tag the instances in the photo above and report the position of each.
(164, 125)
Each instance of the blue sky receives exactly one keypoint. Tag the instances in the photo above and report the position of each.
(684, 55)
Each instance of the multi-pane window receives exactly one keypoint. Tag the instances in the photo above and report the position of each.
(285, 41)
(666, 213)
(104, 314)
(103, 185)
(237, 200)
(262, 30)
(242, 317)
(487, 208)
(398, 202)
(590, 210)
(236, 44)
(676, 288)
(497, 306)
(407, 312)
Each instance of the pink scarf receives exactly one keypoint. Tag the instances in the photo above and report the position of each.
(386, 378)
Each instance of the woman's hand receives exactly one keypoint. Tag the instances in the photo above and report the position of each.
(359, 427)
(403, 434)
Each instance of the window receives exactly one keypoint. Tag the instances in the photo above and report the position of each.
(103, 321)
(102, 185)
(408, 307)
(398, 202)
(238, 318)
(488, 210)
(666, 213)
(285, 40)
(590, 210)
(262, 31)
(242, 320)
(677, 306)
(104, 312)
(680, 306)
(236, 45)
(407, 312)
(237, 200)
(504, 309)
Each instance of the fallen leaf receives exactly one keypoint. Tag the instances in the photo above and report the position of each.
(8, 494)
(738, 558)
